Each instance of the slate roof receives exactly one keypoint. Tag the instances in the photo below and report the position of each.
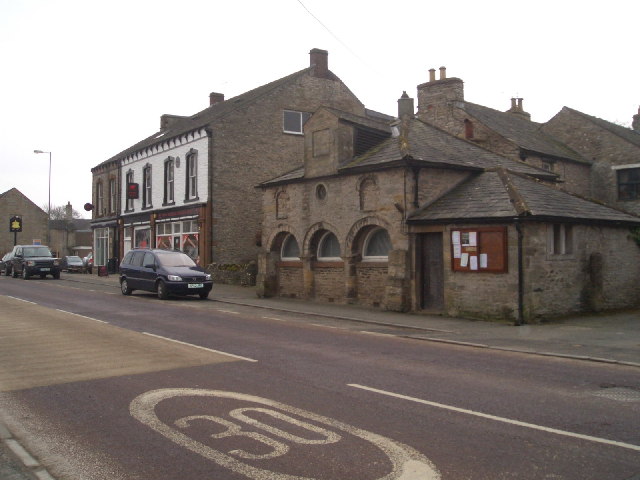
(214, 112)
(522, 132)
(502, 196)
(627, 134)
(427, 145)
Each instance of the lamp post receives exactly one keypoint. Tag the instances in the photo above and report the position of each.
(49, 212)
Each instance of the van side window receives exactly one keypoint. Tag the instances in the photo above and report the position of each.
(137, 259)
(148, 259)
(127, 258)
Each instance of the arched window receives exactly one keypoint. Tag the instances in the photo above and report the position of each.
(290, 249)
(329, 248)
(377, 245)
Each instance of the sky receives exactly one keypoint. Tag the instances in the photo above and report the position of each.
(86, 79)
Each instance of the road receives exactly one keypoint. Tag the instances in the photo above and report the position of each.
(97, 385)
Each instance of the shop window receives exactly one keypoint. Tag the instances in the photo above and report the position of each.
(560, 239)
(479, 250)
(629, 184)
(377, 245)
(329, 248)
(290, 249)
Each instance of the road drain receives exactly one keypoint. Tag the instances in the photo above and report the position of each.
(622, 394)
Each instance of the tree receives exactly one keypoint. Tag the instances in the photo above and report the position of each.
(59, 212)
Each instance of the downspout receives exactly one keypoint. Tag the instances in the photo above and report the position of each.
(520, 317)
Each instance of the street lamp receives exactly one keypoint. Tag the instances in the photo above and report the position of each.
(49, 220)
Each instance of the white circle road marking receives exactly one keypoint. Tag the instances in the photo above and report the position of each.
(407, 463)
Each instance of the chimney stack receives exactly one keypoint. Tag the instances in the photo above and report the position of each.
(518, 109)
(432, 74)
(435, 97)
(636, 121)
(319, 59)
(68, 212)
(405, 106)
(215, 98)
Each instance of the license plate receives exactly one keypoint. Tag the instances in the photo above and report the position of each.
(196, 285)
(45, 269)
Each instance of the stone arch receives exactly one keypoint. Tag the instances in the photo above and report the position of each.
(368, 192)
(359, 230)
(312, 237)
(274, 242)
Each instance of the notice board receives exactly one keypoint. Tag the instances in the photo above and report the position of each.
(479, 250)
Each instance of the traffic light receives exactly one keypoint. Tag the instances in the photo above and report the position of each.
(132, 191)
(15, 224)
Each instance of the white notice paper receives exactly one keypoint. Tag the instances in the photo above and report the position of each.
(464, 260)
(473, 239)
(457, 250)
(455, 238)
(483, 260)
(473, 262)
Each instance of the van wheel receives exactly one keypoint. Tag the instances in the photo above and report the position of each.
(124, 287)
(56, 275)
(163, 294)
(203, 295)
(25, 274)
(14, 274)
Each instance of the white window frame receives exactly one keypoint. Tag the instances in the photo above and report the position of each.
(365, 246)
(99, 197)
(560, 239)
(323, 239)
(113, 193)
(147, 199)
(192, 176)
(302, 118)
(287, 239)
(169, 186)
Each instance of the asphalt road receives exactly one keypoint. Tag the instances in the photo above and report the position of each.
(101, 386)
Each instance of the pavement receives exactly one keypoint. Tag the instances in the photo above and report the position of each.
(611, 338)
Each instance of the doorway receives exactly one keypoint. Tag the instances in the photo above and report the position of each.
(432, 271)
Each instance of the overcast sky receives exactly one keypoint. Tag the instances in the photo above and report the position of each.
(86, 79)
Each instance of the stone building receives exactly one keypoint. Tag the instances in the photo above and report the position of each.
(106, 211)
(511, 133)
(196, 175)
(34, 221)
(407, 216)
(613, 150)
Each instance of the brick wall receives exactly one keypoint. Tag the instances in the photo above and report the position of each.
(371, 283)
(290, 281)
(329, 283)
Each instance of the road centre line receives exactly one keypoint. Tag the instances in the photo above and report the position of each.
(21, 299)
(201, 348)
(81, 316)
(275, 318)
(227, 311)
(499, 419)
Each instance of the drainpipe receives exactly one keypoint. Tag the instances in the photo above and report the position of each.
(519, 319)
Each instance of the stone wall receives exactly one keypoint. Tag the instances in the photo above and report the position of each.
(34, 221)
(290, 281)
(371, 283)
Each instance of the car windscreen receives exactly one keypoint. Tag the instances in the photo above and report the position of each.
(36, 252)
(75, 260)
(175, 259)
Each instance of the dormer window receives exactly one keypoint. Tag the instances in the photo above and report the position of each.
(293, 121)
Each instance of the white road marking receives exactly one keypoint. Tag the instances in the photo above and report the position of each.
(21, 299)
(201, 348)
(500, 419)
(275, 318)
(406, 463)
(377, 334)
(227, 311)
(82, 316)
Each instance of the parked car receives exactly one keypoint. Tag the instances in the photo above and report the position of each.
(5, 264)
(34, 260)
(72, 263)
(88, 263)
(165, 272)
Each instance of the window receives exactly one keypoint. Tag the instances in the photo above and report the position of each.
(129, 204)
(548, 166)
(290, 248)
(292, 121)
(560, 239)
(368, 194)
(329, 247)
(146, 187)
(629, 184)
(168, 181)
(377, 245)
(99, 199)
(112, 195)
(192, 176)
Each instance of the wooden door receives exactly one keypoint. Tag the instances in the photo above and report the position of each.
(432, 271)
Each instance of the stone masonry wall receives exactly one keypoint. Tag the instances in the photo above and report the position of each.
(249, 147)
(34, 221)
(290, 282)
(371, 283)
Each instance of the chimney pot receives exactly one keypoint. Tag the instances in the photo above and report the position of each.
(513, 103)
(636, 122)
(432, 74)
(443, 73)
(319, 59)
(520, 108)
(215, 98)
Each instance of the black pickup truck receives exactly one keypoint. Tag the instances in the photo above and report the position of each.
(31, 260)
